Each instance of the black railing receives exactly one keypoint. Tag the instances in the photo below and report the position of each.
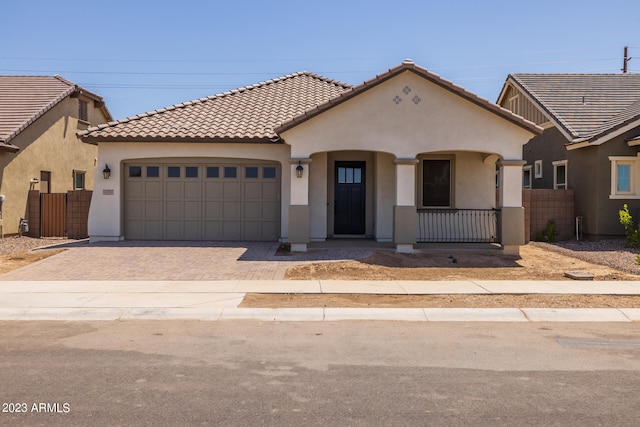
(458, 225)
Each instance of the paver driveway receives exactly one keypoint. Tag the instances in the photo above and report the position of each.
(135, 260)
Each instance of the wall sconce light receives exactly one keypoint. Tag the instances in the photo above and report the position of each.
(106, 172)
(299, 170)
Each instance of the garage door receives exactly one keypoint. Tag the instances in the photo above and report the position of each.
(211, 201)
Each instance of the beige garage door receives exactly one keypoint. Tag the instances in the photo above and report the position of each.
(211, 201)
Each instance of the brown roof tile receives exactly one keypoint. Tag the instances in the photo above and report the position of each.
(23, 99)
(250, 113)
(585, 106)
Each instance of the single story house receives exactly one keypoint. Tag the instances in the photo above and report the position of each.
(590, 142)
(39, 146)
(404, 157)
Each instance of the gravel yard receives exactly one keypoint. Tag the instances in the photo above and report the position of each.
(15, 244)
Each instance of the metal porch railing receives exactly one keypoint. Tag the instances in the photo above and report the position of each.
(458, 225)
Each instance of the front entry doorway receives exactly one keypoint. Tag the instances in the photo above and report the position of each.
(349, 212)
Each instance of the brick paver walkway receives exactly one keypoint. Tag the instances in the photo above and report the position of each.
(135, 260)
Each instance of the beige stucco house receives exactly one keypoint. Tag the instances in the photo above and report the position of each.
(39, 147)
(404, 157)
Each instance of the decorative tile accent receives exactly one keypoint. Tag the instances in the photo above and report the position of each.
(416, 99)
(406, 90)
(397, 100)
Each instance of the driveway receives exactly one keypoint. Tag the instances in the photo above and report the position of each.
(136, 260)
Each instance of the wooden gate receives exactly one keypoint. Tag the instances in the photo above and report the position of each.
(53, 214)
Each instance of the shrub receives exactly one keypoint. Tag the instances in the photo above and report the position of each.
(549, 233)
(632, 232)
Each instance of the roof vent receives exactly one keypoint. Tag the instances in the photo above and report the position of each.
(408, 61)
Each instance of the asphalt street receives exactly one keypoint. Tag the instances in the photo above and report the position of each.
(360, 373)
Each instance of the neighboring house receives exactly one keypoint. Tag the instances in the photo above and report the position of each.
(590, 143)
(302, 158)
(39, 147)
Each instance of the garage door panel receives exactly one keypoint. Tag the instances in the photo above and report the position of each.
(173, 230)
(153, 189)
(173, 189)
(173, 210)
(252, 210)
(213, 210)
(153, 209)
(153, 230)
(135, 229)
(192, 210)
(231, 191)
(212, 201)
(135, 189)
(271, 210)
(192, 190)
(213, 190)
(192, 230)
(231, 230)
(270, 190)
(253, 190)
(134, 209)
(231, 210)
(270, 230)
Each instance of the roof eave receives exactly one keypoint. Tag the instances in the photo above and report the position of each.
(95, 140)
(410, 66)
(10, 148)
(604, 136)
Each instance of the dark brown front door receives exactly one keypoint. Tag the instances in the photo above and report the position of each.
(349, 215)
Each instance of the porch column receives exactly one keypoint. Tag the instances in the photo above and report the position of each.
(299, 212)
(512, 224)
(405, 216)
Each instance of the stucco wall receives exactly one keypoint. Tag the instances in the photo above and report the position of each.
(105, 215)
(437, 120)
(49, 144)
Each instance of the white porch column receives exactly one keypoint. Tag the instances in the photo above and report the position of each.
(404, 211)
(299, 212)
(512, 228)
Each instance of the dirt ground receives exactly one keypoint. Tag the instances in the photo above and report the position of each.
(15, 260)
(534, 263)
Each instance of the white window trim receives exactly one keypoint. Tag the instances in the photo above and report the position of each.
(634, 163)
(527, 168)
(557, 186)
(537, 167)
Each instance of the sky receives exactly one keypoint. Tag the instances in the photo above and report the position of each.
(145, 55)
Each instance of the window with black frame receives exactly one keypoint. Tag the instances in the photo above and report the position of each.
(436, 183)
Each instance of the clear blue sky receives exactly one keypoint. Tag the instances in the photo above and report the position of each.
(144, 55)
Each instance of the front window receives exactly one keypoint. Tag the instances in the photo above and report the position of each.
(78, 180)
(83, 111)
(560, 175)
(537, 168)
(526, 177)
(436, 183)
(624, 174)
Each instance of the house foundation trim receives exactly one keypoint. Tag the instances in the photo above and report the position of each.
(299, 227)
(405, 219)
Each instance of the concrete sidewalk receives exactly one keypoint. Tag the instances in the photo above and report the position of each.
(219, 300)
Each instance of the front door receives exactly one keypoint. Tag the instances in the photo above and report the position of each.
(349, 213)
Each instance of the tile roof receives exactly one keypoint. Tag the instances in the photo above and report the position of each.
(585, 106)
(409, 65)
(250, 113)
(23, 99)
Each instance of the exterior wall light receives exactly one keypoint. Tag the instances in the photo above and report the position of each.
(106, 172)
(299, 170)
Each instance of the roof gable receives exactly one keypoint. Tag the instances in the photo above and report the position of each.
(410, 66)
(248, 114)
(585, 107)
(23, 99)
